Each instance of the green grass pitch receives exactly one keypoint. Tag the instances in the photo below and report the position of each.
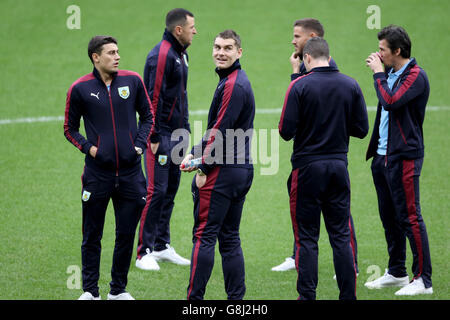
(40, 208)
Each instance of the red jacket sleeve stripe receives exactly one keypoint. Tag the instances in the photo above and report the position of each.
(280, 125)
(414, 73)
(227, 92)
(66, 113)
(160, 68)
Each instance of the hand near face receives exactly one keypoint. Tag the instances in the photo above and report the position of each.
(295, 62)
(373, 61)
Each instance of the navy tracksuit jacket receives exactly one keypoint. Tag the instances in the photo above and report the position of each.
(322, 109)
(115, 173)
(218, 204)
(165, 76)
(396, 175)
(354, 243)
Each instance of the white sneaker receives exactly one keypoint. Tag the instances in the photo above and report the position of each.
(387, 280)
(147, 262)
(415, 287)
(170, 255)
(120, 296)
(288, 264)
(88, 296)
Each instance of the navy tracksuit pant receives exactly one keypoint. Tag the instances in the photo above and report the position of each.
(163, 180)
(127, 192)
(397, 186)
(322, 186)
(353, 242)
(217, 215)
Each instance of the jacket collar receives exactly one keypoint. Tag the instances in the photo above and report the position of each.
(223, 73)
(325, 69)
(332, 63)
(168, 36)
(411, 64)
(97, 74)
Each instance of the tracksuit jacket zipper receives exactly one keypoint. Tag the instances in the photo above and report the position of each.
(182, 91)
(171, 109)
(389, 127)
(114, 131)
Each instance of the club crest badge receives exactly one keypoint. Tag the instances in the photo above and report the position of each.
(86, 195)
(124, 92)
(162, 159)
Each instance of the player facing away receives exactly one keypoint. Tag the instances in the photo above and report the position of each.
(322, 109)
(107, 99)
(165, 76)
(397, 149)
(305, 29)
(225, 174)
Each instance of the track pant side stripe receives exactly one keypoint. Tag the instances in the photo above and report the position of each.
(408, 185)
(150, 165)
(204, 206)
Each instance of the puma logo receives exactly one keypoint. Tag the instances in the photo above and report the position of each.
(95, 95)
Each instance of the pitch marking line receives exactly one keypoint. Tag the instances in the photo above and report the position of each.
(191, 113)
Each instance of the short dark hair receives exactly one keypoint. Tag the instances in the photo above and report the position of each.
(317, 47)
(230, 34)
(96, 44)
(311, 25)
(177, 17)
(397, 38)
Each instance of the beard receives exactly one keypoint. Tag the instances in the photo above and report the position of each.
(299, 55)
